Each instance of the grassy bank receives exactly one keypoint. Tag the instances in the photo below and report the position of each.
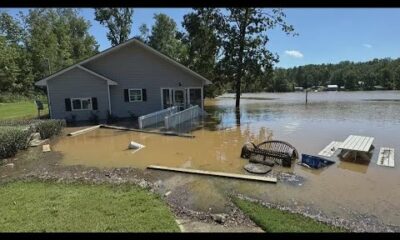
(275, 220)
(51, 207)
(18, 110)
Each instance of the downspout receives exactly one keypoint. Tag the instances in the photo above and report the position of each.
(48, 99)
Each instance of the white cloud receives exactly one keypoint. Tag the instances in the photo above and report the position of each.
(367, 45)
(294, 53)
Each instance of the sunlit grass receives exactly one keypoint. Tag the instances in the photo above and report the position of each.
(275, 220)
(18, 110)
(56, 207)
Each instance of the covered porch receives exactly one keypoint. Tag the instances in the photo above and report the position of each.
(182, 97)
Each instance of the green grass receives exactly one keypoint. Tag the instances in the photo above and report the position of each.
(18, 110)
(56, 207)
(275, 220)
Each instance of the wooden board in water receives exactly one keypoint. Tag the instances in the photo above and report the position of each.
(84, 130)
(218, 174)
(46, 148)
(386, 157)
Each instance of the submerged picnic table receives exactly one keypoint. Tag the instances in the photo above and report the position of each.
(357, 144)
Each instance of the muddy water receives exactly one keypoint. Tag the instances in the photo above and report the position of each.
(362, 187)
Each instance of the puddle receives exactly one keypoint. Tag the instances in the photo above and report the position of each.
(362, 187)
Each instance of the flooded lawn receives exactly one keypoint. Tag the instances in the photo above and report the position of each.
(339, 190)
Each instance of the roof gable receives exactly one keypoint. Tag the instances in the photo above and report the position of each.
(43, 82)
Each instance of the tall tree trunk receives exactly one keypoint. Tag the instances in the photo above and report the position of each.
(241, 50)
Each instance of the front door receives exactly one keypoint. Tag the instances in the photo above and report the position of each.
(179, 98)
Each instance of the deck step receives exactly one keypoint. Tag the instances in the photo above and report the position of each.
(329, 150)
(386, 157)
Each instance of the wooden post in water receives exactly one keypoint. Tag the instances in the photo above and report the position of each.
(306, 96)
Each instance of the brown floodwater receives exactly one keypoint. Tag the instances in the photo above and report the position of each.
(362, 187)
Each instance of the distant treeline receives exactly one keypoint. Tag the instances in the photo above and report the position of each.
(353, 76)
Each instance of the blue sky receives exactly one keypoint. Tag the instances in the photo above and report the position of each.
(326, 35)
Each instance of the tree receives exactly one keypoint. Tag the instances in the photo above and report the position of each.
(244, 39)
(56, 39)
(10, 28)
(203, 45)
(164, 38)
(118, 21)
(14, 68)
(144, 33)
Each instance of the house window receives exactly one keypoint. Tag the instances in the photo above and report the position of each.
(135, 95)
(81, 104)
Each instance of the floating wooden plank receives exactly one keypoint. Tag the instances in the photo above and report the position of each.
(386, 157)
(46, 148)
(85, 130)
(218, 174)
(329, 150)
(357, 143)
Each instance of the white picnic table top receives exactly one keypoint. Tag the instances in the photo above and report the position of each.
(357, 143)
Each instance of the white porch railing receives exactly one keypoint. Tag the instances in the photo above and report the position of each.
(172, 120)
(155, 117)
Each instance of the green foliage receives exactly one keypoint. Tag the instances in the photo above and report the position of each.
(50, 207)
(39, 43)
(165, 38)
(351, 75)
(46, 128)
(13, 139)
(275, 220)
(118, 21)
(49, 128)
(94, 117)
(144, 33)
(203, 44)
(244, 38)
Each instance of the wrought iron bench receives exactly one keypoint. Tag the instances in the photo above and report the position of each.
(270, 152)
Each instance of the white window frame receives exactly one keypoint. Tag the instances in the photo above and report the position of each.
(80, 99)
(141, 94)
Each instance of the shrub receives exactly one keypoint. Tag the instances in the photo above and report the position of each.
(49, 128)
(94, 117)
(133, 115)
(71, 120)
(111, 118)
(13, 139)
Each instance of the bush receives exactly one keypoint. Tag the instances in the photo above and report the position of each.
(111, 118)
(94, 117)
(13, 139)
(49, 128)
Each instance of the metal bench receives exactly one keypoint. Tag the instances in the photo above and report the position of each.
(270, 152)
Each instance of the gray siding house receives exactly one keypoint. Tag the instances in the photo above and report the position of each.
(128, 78)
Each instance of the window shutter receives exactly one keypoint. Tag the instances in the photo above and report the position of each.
(94, 103)
(144, 97)
(126, 95)
(68, 105)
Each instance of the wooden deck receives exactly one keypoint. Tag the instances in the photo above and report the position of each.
(357, 143)
(329, 150)
(386, 157)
